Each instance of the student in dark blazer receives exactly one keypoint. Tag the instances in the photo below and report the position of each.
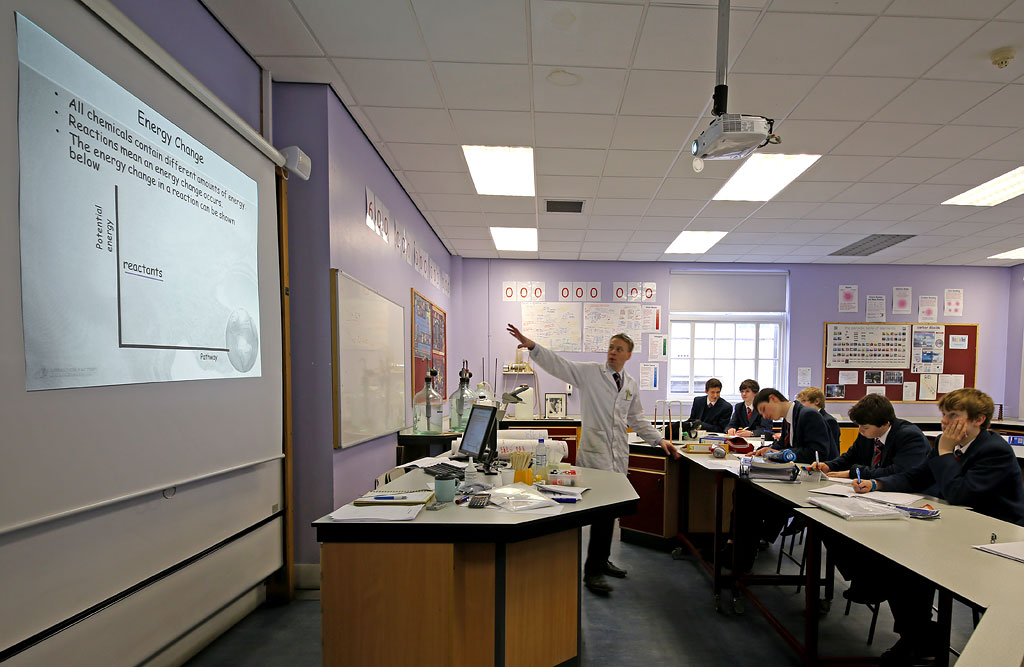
(812, 397)
(712, 410)
(804, 428)
(968, 466)
(884, 446)
(745, 420)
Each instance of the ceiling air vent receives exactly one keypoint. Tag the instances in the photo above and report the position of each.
(563, 206)
(869, 245)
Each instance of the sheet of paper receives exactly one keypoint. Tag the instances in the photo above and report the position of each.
(649, 379)
(927, 350)
(950, 382)
(878, 496)
(847, 298)
(954, 303)
(848, 377)
(803, 376)
(863, 345)
(874, 308)
(927, 309)
(428, 461)
(901, 300)
(1011, 550)
(929, 385)
(657, 347)
(875, 389)
(377, 513)
(957, 342)
(557, 325)
(563, 490)
(909, 391)
(650, 316)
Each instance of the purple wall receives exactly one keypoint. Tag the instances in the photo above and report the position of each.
(1014, 341)
(327, 230)
(197, 40)
(813, 301)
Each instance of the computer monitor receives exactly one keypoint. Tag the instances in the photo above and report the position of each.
(480, 431)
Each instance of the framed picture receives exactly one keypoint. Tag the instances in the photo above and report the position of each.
(554, 406)
(835, 391)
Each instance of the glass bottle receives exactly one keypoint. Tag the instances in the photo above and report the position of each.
(427, 407)
(460, 403)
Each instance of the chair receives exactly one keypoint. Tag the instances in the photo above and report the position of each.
(872, 606)
(388, 476)
(792, 535)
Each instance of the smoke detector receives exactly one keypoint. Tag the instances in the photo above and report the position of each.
(1002, 57)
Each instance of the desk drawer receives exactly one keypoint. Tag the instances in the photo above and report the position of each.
(643, 462)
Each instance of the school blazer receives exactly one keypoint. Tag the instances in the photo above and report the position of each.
(716, 418)
(756, 425)
(807, 435)
(833, 430)
(986, 479)
(905, 447)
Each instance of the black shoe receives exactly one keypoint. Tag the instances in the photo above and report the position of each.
(907, 654)
(596, 583)
(612, 571)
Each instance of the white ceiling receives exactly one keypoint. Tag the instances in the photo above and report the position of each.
(899, 96)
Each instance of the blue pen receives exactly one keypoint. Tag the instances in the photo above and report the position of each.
(565, 499)
(390, 497)
(858, 476)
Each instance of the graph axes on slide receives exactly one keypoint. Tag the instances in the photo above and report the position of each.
(120, 335)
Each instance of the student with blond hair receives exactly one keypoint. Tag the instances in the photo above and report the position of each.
(813, 397)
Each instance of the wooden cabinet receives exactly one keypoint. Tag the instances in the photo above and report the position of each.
(570, 434)
(656, 480)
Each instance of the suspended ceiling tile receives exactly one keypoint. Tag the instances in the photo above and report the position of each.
(266, 27)
(614, 222)
(958, 141)
(893, 212)
(576, 235)
(1015, 12)
(667, 93)
(562, 221)
(390, 83)
(976, 9)
(842, 168)
(498, 204)
(627, 187)
(578, 33)
(567, 187)
(379, 29)
(909, 170)
(439, 182)
(969, 173)
(884, 138)
(368, 126)
(511, 219)
(689, 188)
(652, 132)
(871, 193)
(569, 161)
(946, 213)
(599, 256)
(481, 86)
(597, 91)
(820, 191)
(970, 61)
(792, 210)
(1008, 148)
(663, 236)
(638, 163)
(640, 256)
(675, 207)
(759, 225)
(449, 219)
(299, 69)
(866, 7)
(453, 30)
(473, 244)
(1000, 110)
(994, 214)
(935, 101)
(813, 226)
(685, 38)
(838, 211)
(799, 43)
(720, 169)
(897, 46)
(927, 194)
(565, 130)
(814, 137)
(848, 97)
(465, 233)
(559, 255)
(771, 95)
(664, 223)
(618, 236)
(428, 157)
(601, 246)
(493, 128)
(455, 202)
(619, 206)
(713, 225)
(559, 246)
(419, 126)
(729, 209)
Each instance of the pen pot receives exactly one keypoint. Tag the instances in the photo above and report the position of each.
(524, 476)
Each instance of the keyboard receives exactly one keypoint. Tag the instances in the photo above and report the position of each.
(445, 468)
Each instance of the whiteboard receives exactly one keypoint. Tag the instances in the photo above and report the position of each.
(369, 361)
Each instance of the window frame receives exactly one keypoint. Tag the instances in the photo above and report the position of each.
(730, 394)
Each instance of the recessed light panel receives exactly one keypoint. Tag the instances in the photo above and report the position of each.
(501, 170)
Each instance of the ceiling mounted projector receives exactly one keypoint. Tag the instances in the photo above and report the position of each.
(732, 136)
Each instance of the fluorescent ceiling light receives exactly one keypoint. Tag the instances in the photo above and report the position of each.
(694, 243)
(763, 175)
(515, 238)
(996, 191)
(501, 170)
(1010, 254)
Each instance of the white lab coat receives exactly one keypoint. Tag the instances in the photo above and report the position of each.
(605, 411)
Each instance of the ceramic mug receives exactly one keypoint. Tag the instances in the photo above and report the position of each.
(444, 488)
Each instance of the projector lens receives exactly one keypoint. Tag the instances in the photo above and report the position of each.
(693, 148)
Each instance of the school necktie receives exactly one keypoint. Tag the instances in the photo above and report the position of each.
(618, 381)
(877, 458)
(785, 434)
(958, 453)
(750, 411)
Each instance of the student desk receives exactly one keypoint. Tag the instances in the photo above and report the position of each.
(941, 552)
(460, 586)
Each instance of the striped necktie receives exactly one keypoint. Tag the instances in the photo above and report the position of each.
(618, 381)
(877, 458)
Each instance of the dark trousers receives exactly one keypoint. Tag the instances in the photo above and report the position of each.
(600, 547)
(757, 516)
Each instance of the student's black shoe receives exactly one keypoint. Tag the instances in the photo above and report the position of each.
(763, 544)
(613, 571)
(596, 583)
(906, 654)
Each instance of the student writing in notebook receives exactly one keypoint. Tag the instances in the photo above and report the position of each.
(969, 465)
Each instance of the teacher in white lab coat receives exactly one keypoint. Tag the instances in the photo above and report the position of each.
(609, 402)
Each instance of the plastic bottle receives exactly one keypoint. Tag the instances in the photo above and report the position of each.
(781, 456)
(540, 461)
(427, 407)
(470, 476)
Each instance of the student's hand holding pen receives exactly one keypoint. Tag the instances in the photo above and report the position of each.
(864, 485)
(823, 467)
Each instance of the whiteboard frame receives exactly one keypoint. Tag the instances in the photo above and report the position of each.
(336, 276)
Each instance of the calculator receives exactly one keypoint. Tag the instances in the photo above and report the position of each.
(479, 500)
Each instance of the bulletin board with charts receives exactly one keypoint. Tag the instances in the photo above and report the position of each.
(429, 343)
(904, 361)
